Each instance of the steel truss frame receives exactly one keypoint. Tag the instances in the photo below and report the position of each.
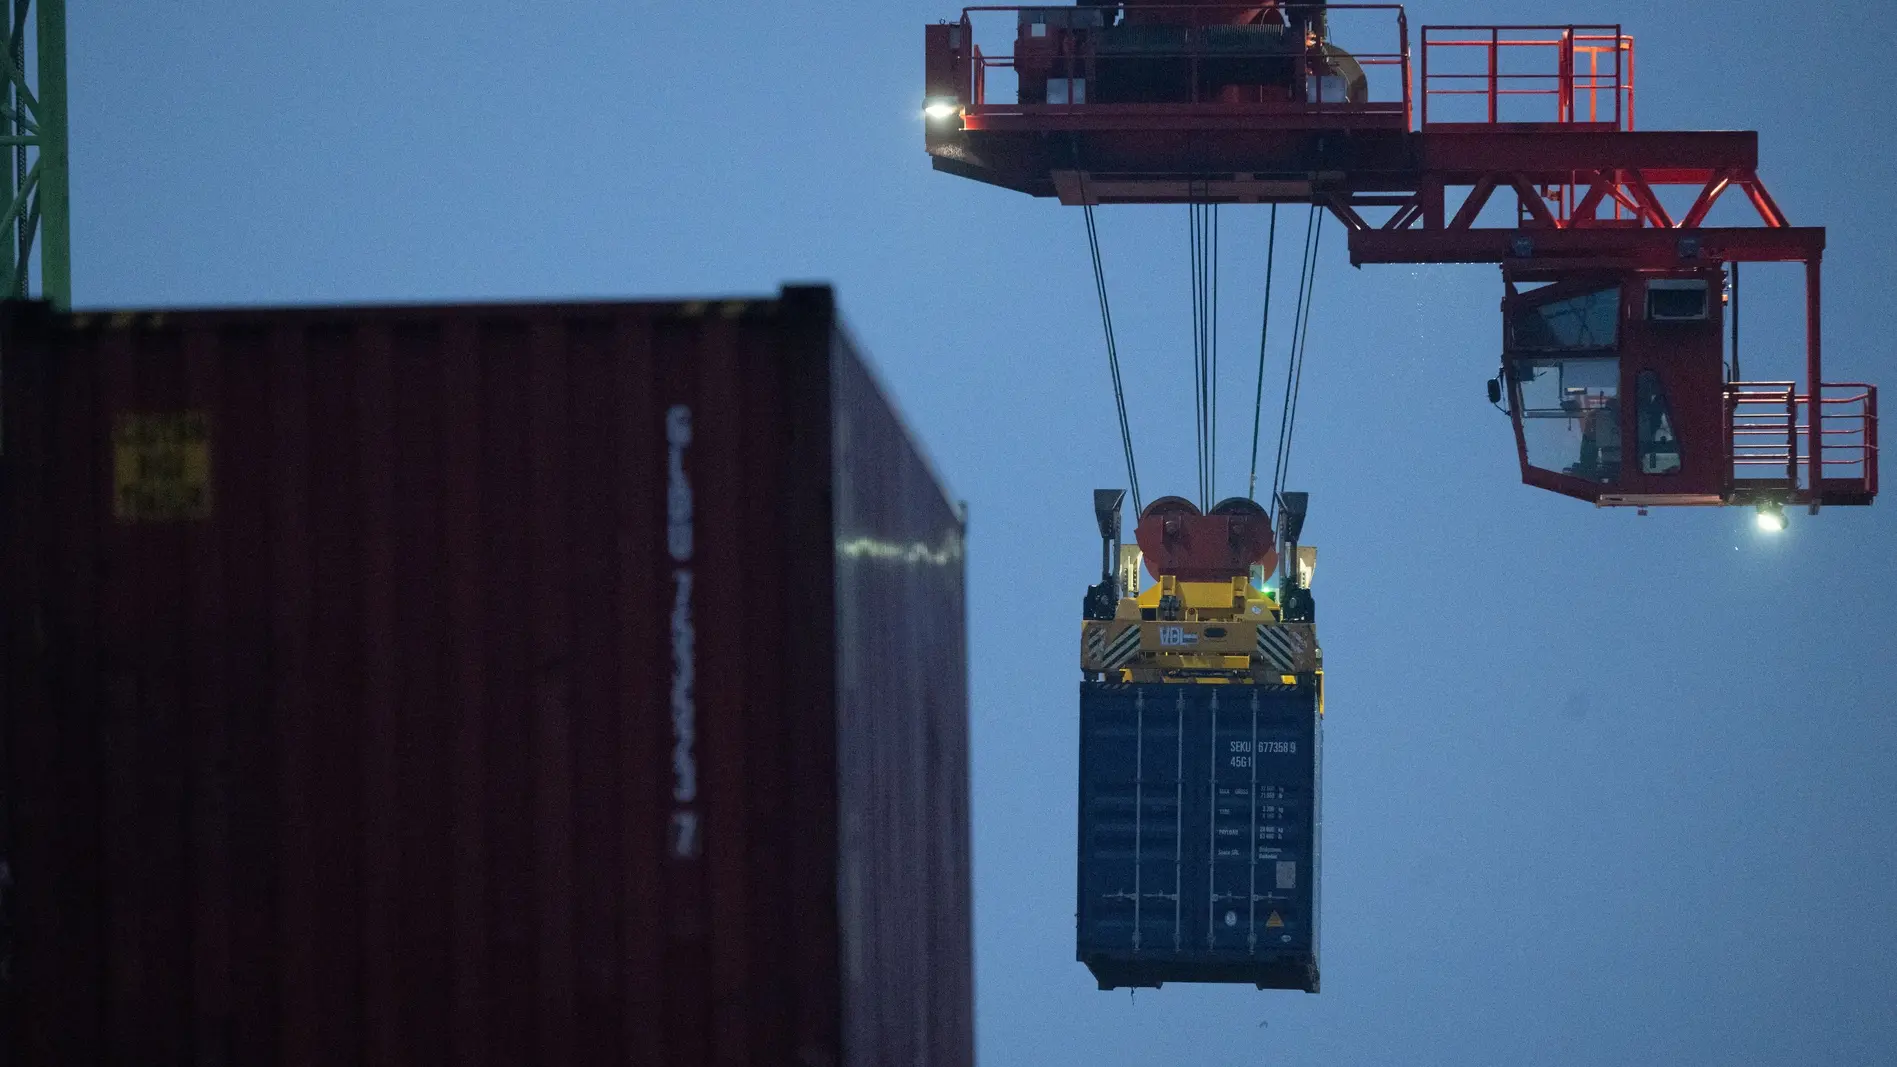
(34, 178)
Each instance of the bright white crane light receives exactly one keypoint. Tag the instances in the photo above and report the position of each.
(1771, 518)
(941, 109)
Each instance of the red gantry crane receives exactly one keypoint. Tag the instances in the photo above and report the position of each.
(1613, 361)
(1201, 700)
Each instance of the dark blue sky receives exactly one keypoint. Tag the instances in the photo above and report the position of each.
(1599, 789)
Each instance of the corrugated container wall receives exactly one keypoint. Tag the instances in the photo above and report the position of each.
(512, 685)
(1199, 833)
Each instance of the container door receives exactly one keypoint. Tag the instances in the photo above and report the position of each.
(1198, 834)
(1673, 374)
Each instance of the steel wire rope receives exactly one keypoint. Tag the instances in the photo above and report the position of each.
(1291, 353)
(1294, 366)
(1113, 348)
(1212, 341)
(1195, 277)
(1198, 371)
(1202, 243)
(1264, 335)
(1304, 341)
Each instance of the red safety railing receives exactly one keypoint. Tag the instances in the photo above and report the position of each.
(1772, 426)
(1565, 75)
(1075, 59)
(1763, 417)
(1847, 436)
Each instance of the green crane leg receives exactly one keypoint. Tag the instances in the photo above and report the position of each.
(34, 207)
(54, 205)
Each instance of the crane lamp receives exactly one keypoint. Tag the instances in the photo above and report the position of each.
(1771, 516)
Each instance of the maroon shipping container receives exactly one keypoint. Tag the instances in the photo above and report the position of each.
(512, 685)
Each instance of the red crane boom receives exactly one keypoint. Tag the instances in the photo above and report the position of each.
(1612, 359)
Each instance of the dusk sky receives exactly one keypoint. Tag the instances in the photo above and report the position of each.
(1598, 788)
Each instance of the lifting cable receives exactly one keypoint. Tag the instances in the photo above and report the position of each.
(1202, 240)
(1203, 253)
(1113, 348)
(1300, 337)
(1264, 334)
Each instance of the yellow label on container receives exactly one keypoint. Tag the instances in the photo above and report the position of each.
(1274, 922)
(161, 467)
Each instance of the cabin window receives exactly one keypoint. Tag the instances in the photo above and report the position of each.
(1658, 436)
(1570, 415)
(1066, 90)
(1677, 300)
(1588, 320)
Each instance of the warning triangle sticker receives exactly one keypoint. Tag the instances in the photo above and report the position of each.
(1273, 921)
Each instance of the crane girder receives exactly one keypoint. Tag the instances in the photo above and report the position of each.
(1216, 110)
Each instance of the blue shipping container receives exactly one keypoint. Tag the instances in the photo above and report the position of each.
(1199, 833)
